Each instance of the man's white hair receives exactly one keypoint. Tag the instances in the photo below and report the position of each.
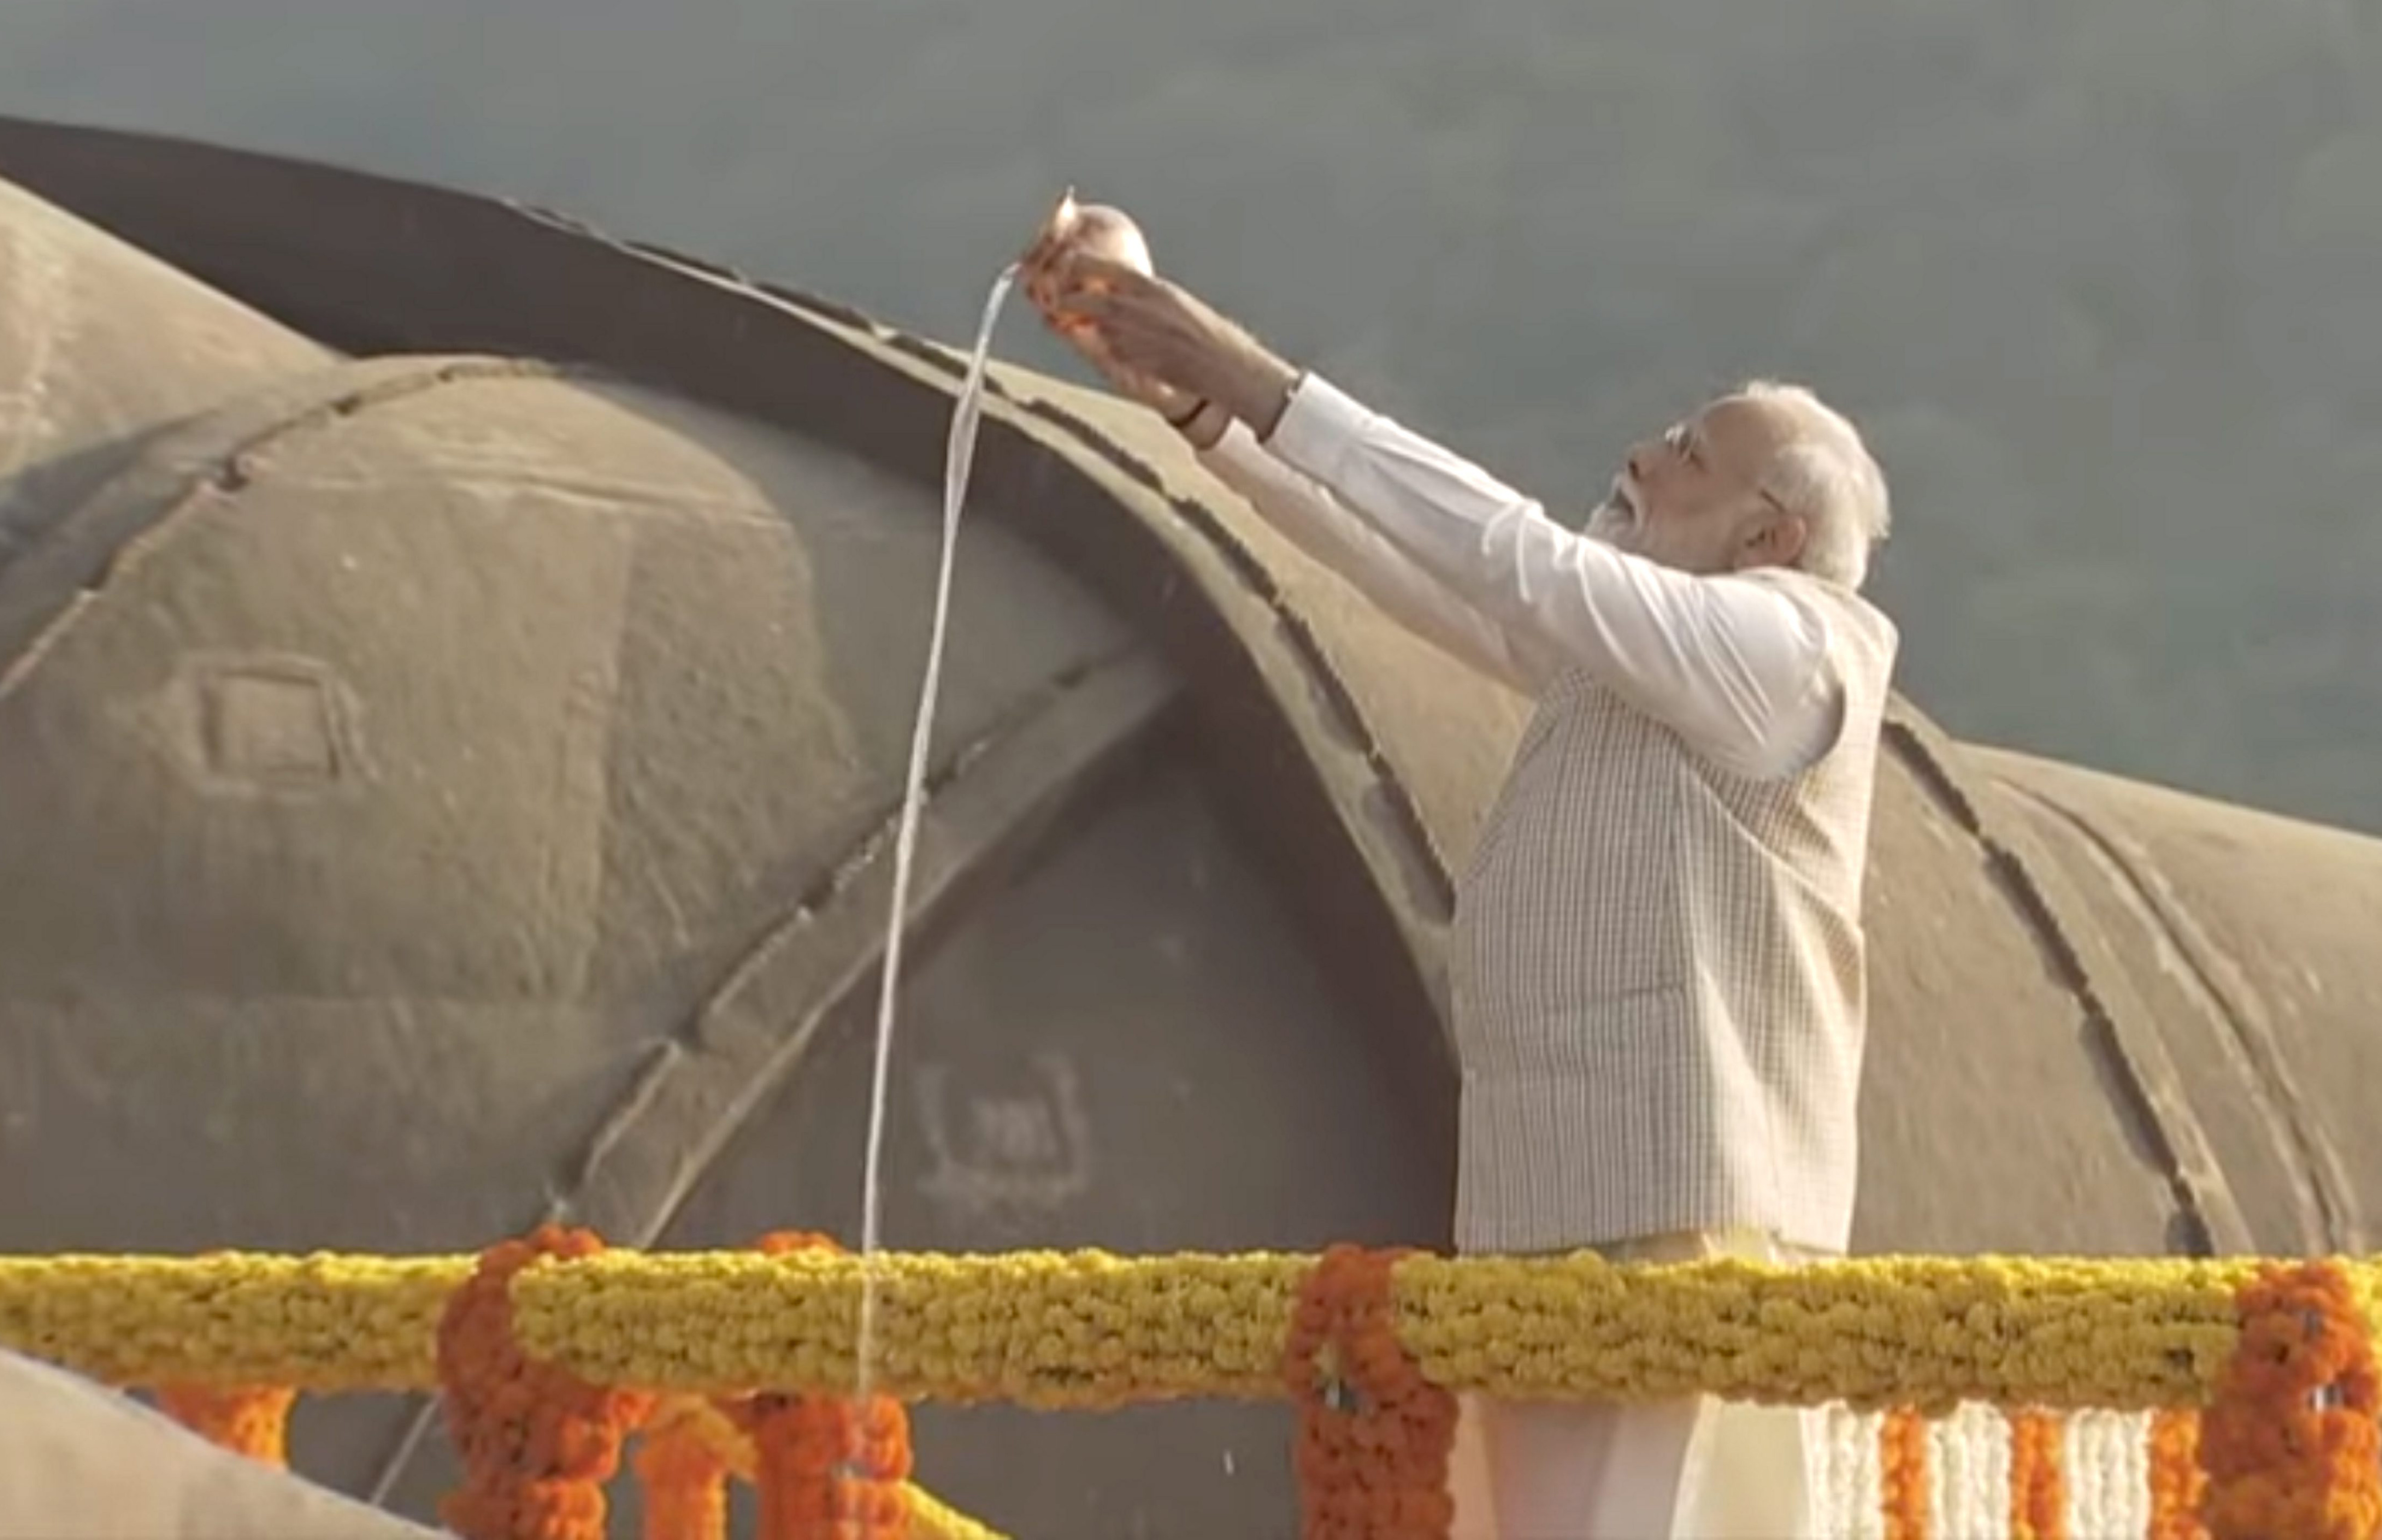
(1829, 476)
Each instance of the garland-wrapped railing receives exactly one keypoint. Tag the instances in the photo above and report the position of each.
(2044, 1399)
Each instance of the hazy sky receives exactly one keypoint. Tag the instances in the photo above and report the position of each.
(2094, 273)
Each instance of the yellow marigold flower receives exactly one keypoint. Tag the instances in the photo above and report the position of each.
(1090, 1329)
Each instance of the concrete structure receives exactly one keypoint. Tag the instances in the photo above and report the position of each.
(79, 1461)
(455, 672)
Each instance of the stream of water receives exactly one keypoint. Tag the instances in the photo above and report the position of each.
(958, 456)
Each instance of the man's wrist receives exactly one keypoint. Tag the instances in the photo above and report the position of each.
(1204, 425)
(1262, 388)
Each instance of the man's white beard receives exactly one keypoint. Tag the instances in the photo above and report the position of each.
(1616, 520)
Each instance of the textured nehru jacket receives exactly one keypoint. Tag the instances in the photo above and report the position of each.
(1660, 988)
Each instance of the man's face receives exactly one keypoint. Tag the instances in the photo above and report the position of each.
(1692, 498)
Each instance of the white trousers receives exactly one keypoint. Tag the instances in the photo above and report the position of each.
(1701, 1468)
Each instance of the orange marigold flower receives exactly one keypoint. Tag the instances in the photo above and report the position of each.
(2038, 1477)
(1903, 1455)
(2175, 1476)
(537, 1442)
(1374, 1436)
(827, 1469)
(2289, 1445)
(248, 1420)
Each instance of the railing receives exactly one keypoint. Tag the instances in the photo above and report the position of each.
(2169, 1398)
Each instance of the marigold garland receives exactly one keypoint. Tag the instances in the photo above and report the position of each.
(828, 1468)
(682, 1462)
(2038, 1476)
(694, 1419)
(537, 1442)
(2289, 1444)
(932, 1519)
(1374, 1436)
(1088, 1329)
(2280, 1357)
(1905, 1499)
(2175, 1476)
(248, 1420)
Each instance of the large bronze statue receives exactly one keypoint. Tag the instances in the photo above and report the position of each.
(455, 672)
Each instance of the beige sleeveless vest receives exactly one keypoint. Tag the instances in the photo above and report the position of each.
(1659, 988)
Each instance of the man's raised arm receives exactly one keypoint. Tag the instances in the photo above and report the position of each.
(1312, 519)
(1733, 665)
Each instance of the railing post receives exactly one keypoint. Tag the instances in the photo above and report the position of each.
(683, 1472)
(537, 1442)
(1374, 1436)
(2289, 1445)
(827, 1469)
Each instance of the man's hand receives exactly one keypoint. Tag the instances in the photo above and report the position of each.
(1151, 327)
(1085, 341)
(1040, 270)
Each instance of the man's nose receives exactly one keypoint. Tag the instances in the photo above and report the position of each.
(1641, 461)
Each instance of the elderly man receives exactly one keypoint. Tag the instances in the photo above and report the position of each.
(1657, 965)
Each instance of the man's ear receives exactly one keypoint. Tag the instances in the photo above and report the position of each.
(1777, 541)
